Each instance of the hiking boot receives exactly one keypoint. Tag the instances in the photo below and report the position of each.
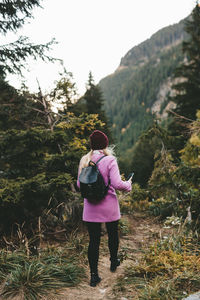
(114, 264)
(95, 279)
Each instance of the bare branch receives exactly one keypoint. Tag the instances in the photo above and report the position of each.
(179, 116)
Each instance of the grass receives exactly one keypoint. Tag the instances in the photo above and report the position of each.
(168, 270)
(9, 262)
(170, 289)
(124, 226)
(35, 278)
(30, 281)
(32, 277)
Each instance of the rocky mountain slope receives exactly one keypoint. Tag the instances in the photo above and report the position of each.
(139, 90)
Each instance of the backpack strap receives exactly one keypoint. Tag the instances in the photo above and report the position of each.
(92, 163)
(100, 159)
(98, 162)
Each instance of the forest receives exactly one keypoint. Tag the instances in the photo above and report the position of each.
(43, 246)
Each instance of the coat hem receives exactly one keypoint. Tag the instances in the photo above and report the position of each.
(102, 221)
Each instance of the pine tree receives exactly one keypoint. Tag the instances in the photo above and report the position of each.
(187, 95)
(94, 102)
(18, 109)
(93, 97)
(13, 14)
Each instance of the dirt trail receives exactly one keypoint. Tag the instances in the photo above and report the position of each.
(143, 230)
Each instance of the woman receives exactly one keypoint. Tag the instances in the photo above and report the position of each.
(107, 210)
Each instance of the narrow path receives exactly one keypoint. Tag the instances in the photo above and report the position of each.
(143, 231)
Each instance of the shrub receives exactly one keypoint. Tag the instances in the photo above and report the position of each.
(138, 200)
(169, 269)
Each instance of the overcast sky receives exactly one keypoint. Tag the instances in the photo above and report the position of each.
(93, 35)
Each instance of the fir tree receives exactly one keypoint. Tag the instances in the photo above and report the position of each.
(13, 14)
(93, 97)
(187, 95)
(18, 109)
(94, 102)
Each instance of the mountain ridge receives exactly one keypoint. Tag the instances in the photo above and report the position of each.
(131, 91)
(169, 35)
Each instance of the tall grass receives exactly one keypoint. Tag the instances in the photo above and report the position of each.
(31, 277)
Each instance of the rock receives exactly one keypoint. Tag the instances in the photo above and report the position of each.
(193, 297)
(102, 291)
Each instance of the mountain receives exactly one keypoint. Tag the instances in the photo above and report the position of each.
(140, 88)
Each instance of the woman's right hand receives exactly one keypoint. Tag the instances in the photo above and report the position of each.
(130, 179)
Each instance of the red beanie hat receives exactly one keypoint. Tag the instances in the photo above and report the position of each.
(98, 140)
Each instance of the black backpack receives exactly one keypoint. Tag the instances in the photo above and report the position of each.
(92, 185)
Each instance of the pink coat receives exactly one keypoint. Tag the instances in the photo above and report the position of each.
(108, 209)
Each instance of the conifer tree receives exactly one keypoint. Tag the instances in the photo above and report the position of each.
(93, 97)
(18, 109)
(94, 102)
(187, 95)
(13, 14)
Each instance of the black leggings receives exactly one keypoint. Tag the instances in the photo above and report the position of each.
(94, 230)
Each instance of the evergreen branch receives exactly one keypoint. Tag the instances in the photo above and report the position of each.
(7, 25)
(12, 55)
(10, 8)
(14, 13)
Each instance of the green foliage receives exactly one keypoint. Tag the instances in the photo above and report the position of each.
(124, 226)
(17, 109)
(36, 174)
(131, 91)
(169, 269)
(188, 89)
(138, 194)
(163, 289)
(174, 191)
(13, 55)
(15, 13)
(40, 152)
(92, 103)
(171, 177)
(93, 97)
(158, 41)
(140, 158)
(190, 154)
(175, 187)
(64, 92)
(136, 200)
(131, 114)
(32, 278)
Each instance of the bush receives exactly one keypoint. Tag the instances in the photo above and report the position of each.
(169, 269)
(38, 170)
(138, 200)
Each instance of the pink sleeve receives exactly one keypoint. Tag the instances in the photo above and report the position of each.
(115, 178)
(78, 182)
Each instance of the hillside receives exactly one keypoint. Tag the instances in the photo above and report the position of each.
(139, 88)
